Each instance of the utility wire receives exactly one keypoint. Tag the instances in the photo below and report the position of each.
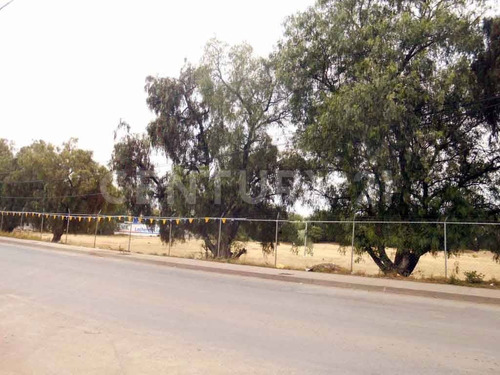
(55, 197)
(3, 6)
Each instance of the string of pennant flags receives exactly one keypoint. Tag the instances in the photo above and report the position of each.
(179, 220)
(129, 218)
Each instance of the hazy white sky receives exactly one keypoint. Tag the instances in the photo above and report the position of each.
(74, 68)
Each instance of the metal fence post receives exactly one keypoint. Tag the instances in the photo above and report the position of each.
(1, 225)
(96, 226)
(445, 251)
(170, 237)
(276, 243)
(352, 243)
(41, 226)
(305, 240)
(218, 241)
(67, 226)
(130, 235)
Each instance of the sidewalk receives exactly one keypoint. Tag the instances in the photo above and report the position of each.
(442, 291)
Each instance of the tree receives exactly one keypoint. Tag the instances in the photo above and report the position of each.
(486, 70)
(6, 165)
(136, 175)
(212, 126)
(381, 94)
(44, 178)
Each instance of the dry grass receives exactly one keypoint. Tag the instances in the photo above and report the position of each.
(430, 266)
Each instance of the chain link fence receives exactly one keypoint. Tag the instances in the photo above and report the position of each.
(452, 250)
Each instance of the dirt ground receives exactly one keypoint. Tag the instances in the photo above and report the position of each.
(430, 266)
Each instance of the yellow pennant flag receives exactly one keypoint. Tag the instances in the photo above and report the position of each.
(119, 217)
(90, 218)
(224, 221)
(177, 221)
(164, 221)
(99, 218)
(191, 221)
(55, 216)
(151, 220)
(207, 220)
(130, 218)
(80, 218)
(109, 218)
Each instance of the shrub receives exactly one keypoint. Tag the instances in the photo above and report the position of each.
(474, 277)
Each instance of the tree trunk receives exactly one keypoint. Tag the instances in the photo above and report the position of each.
(57, 234)
(57, 231)
(404, 263)
(209, 245)
(228, 234)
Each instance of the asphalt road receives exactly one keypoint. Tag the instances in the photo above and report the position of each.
(80, 314)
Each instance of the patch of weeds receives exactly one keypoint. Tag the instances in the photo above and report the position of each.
(454, 280)
(474, 277)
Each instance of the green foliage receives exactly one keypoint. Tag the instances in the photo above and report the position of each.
(315, 233)
(6, 158)
(136, 173)
(486, 70)
(474, 277)
(289, 232)
(214, 117)
(381, 93)
(45, 178)
(338, 233)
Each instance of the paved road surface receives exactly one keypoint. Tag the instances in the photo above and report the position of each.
(78, 314)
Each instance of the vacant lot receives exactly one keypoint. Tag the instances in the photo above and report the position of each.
(429, 265)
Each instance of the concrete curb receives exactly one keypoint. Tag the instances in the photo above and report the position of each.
(364, 284)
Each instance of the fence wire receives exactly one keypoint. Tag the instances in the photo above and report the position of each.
(458, 249)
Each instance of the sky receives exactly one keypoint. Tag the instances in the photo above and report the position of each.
(75, 68)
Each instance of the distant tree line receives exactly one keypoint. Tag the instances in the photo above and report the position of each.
(44, 178)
